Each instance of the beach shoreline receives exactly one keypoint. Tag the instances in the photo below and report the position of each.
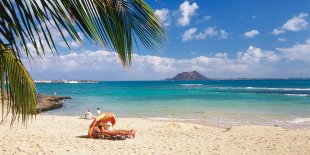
(50, 134)
(303, 125)
(217, 103)
(54, 134)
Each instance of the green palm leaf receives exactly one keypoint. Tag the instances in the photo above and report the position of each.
(17, 85)
(113, 24)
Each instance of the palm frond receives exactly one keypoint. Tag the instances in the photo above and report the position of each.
(110, 23)
(18, 87)
(113, 24)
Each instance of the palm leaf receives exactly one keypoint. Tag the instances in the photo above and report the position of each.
(113, 24)
(110, 23)
(17, 85)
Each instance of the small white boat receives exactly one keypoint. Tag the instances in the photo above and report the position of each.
(70, 81)
(73, 81)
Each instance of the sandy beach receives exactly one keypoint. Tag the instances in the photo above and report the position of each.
(68, 135)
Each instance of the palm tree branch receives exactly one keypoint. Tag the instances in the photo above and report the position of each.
(113, 24)
(19, 86)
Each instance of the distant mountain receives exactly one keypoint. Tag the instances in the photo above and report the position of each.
(188, 76)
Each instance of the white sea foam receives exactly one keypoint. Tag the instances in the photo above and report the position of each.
(299, 120)
(296, 94)
(170, 119)
(191, 85)
(266, 88)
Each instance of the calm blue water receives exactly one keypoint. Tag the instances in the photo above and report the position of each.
(222, 103)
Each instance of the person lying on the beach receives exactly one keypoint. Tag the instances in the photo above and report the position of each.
(108, 129)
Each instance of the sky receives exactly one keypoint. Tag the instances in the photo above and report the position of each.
(220, 39)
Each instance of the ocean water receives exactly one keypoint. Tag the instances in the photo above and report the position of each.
(223, 103)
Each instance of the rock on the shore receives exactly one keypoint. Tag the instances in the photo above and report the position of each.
(47, 102)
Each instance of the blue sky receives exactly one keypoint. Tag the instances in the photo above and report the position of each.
(235, 17)
(220, 39)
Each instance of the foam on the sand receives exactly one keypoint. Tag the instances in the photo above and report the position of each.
(299, 120)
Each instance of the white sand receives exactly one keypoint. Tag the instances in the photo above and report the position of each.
(67, 135)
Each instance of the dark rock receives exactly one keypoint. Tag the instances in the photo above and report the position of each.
(47, 102)
(188, 76)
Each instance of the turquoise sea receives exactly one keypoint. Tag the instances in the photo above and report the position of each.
(222, 103)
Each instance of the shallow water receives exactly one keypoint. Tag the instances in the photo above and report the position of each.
(224, 103)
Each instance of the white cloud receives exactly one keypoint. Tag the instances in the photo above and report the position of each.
(105, 65)
(297, 52)
(255, 55)
(58, 38)
(163, 16)
(72, 44)
(281, 39)
(187, 10)
(189, 34)
(223, 34)
(297, 23)
(203, 19)
(251, 33)
(209, 32)
(193, 52)
(221, 55)
(277, 31)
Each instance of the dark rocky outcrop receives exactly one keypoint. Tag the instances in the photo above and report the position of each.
(188, 76)
(47, 102)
